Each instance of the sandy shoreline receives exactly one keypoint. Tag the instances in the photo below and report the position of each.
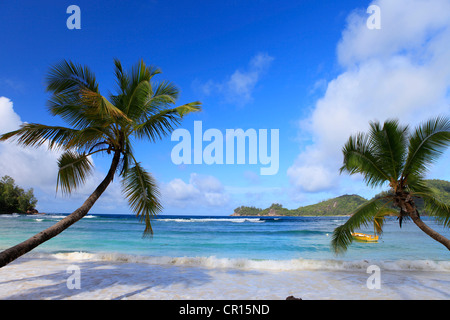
(47, 278)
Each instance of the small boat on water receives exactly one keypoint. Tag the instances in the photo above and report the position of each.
(364, 237)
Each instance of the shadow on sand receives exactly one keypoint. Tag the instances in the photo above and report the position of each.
(128, 279)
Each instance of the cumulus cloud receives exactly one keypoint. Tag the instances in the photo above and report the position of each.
(30, 167)
(201, 190)
(400, 71)
(238, 88)
(37, 168)
(9, 120)
(406, 25)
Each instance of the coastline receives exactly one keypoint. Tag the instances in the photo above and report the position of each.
(45, 276)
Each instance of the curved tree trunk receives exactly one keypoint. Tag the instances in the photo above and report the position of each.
(20, 249)
(407, 205)
(433, 234)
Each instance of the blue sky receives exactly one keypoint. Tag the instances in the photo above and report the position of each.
(311, 69)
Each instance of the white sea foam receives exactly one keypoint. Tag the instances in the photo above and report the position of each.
(236, 220)
(13, 215)
(272, 265)
(120, 276)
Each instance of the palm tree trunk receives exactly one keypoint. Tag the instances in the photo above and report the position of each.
(433, 234)
(20, 249)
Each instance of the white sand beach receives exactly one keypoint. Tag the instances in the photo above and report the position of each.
(47, 277)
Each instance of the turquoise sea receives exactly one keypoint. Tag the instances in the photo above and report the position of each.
(220, 257)
(249, 238)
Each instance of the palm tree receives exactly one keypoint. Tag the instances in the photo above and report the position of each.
(394, 155)
(141, 110)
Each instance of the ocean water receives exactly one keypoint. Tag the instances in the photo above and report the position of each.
(263, 247)
(263, 241)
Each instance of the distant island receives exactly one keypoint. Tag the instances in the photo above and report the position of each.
(339, 206)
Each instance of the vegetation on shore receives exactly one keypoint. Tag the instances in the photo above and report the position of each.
(342, 205)
(14, 199)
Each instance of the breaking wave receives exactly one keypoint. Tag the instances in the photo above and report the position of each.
(270, 265)
(236, 220)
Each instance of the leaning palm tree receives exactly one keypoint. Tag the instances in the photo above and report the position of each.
(141, 110)
(391, 154)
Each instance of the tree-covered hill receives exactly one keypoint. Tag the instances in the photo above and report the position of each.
(342, 205)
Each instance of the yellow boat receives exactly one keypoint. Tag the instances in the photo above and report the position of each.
(365, 237)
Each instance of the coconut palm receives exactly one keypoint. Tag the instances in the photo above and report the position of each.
(140, 110)
(391, 154)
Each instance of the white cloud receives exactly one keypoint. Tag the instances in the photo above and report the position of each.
(206, 183)
(30, 167)
(9, 120)
(238, 88)
(400, 71)
(202, 190)
(406, 25)
(37, 168)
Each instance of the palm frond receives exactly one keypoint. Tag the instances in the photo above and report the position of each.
(359, 158)
(426, 144)
(417, 184)
(89, 138)
(57, 138)
(35, 135)
(135, 88)
(166, 92)
(195, 106)
(140, 72)
(164, 122)
(71, 109)
(439, 210)
(74, 168)
(157, 126)
(73, 88)
(162, 98)
(342, 238)
(380, 218)
(122, 78)
(135, 102)
(128, 156)
(363, 216)
(99, 107)
(143, 195)
(389, 145)
(67, 77)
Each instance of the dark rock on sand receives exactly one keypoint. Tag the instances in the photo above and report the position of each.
(293, 298)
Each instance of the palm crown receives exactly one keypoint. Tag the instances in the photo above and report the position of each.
(391, 154)
(141, 109)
